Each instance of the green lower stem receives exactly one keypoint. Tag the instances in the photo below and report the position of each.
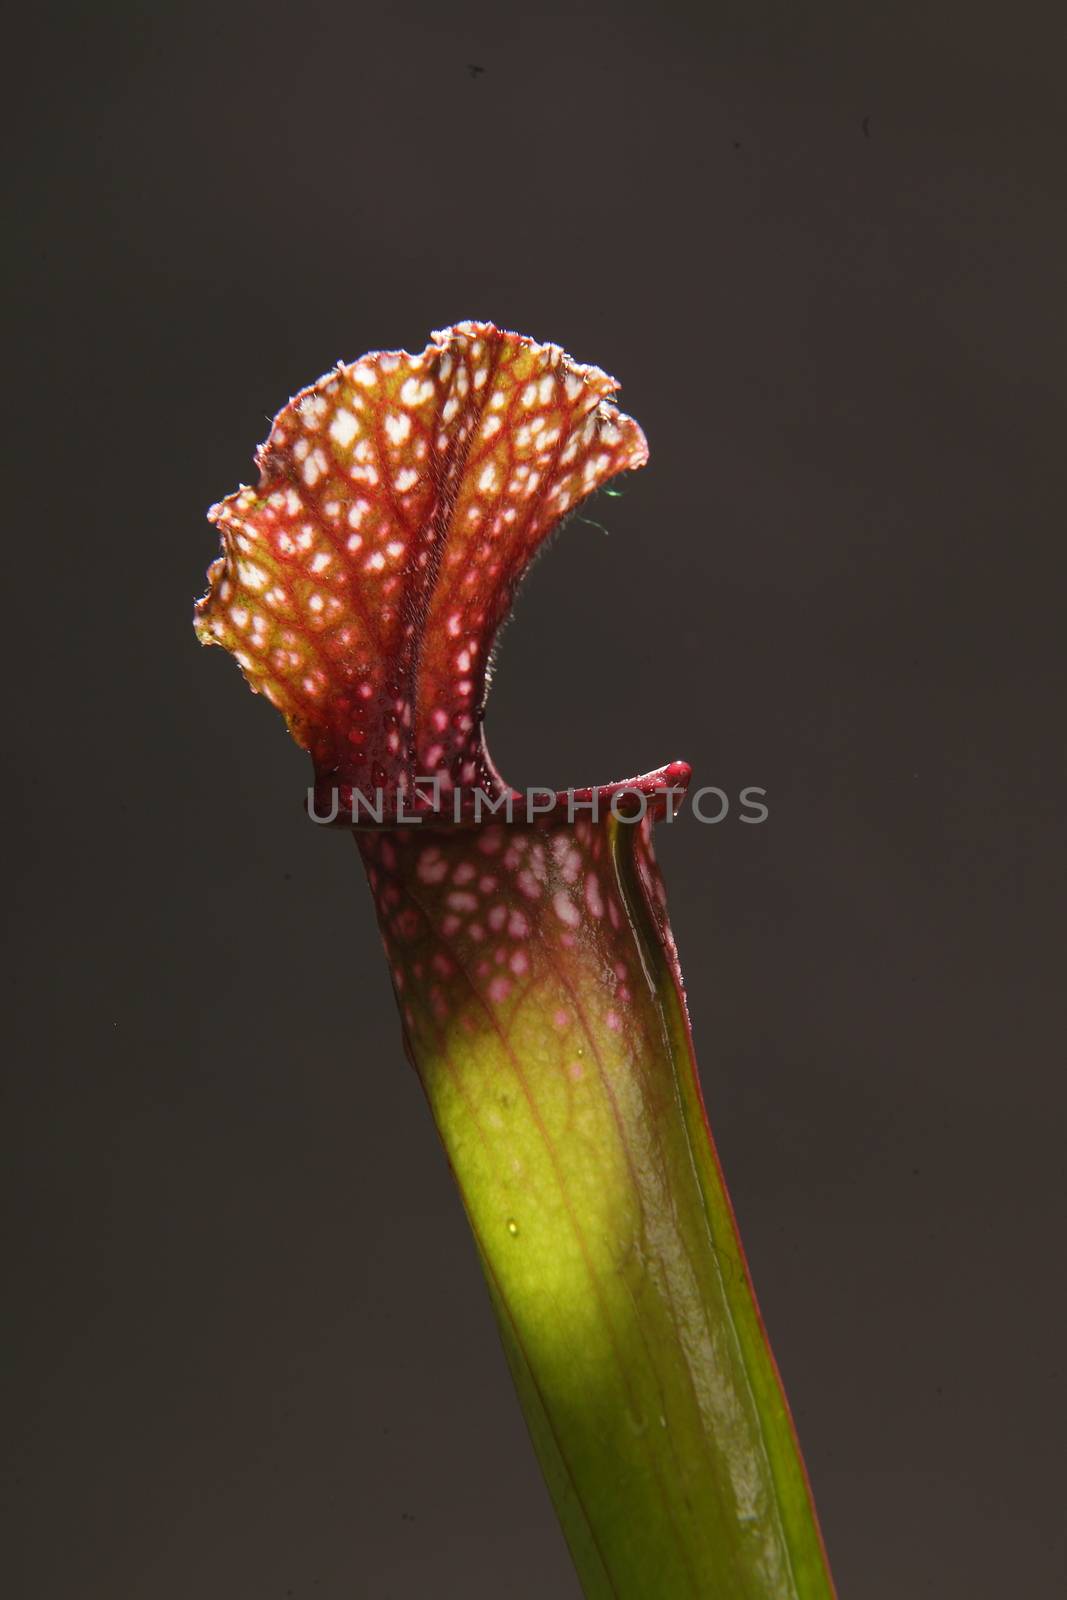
(572, 1118)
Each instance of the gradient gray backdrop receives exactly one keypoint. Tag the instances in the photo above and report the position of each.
(253, 1357)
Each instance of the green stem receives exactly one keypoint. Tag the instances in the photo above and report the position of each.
(571, 1114)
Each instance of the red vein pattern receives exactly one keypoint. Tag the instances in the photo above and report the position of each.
(400, 500)
(479, 912)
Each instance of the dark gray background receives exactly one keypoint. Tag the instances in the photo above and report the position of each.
(253, 1356)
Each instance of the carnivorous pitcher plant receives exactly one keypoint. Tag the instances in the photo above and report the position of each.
(362, 582)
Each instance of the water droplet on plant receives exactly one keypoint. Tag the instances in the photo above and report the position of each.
(513, 1227)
